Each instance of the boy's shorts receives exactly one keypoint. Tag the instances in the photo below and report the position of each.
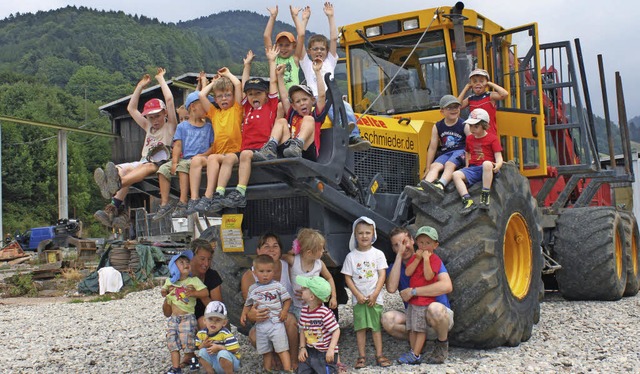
(309, 154)
(214, 359)
(456, 157)
(183, 167)
(269, 337)
(181, 333)
(367, 317)
(295, 311)
(473, 174)
(421, 318)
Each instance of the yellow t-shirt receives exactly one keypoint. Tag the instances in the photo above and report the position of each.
(177, 296)
(226, 128)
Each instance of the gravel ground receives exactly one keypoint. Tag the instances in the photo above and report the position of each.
(127, 336)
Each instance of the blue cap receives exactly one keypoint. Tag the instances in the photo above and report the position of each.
(174, 272)
(194, 96)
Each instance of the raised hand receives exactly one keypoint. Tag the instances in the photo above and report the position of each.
(273, 12)
(272, 52)
(249, 58)
(328, 9)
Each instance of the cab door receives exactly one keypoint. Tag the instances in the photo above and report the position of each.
(516, 67)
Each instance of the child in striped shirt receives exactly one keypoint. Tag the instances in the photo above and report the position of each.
(219, 350)
(319, 330)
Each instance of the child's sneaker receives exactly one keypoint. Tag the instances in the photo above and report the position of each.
(173, 370)
(194, 365)
(468, 206)
(180, 211)
(435, 187)
(101, 181)
(357, 144)
(163, 211)
(409, 359)
(234, 200)
(485, 200)
(294, 149)
(203, 204)
(216, 203)
(191, 207)
(106, 215)
(267, 152)
(113, 178)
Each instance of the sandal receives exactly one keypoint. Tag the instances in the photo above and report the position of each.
(342, 368)
(361, 362)
(383, 361)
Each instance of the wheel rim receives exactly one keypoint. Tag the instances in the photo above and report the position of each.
(517, 255)
(619, 254)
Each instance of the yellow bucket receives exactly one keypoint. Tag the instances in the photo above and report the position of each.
(52, 257)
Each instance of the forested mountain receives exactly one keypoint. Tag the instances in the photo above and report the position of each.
(59, 66)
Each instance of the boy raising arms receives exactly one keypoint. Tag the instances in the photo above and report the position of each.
(260, 106)
(450, 134)
(325, 50)
(483, 159)
(219, 350)
(192, 140)
(298, 134)
(180, 291)
(226, 122)
(289, 48)
(270, 294)
(481, 98)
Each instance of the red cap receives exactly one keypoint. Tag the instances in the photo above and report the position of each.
(153, 106)
(286, 34)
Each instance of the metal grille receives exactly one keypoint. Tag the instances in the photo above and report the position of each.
(282, 216)
(146, 227)
(399, 169)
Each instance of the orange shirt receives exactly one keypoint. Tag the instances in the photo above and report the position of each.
(226, 128)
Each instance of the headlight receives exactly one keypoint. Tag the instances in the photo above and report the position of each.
(410, 24)
(372, 31)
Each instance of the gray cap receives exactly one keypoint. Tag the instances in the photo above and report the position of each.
(448, 100)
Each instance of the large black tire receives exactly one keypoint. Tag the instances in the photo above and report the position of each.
(494, 259)
(231, 273)
(631, 253)
(590, 248)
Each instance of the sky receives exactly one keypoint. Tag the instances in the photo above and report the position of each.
(610, 28)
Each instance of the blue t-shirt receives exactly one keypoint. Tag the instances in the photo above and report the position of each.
(404, 283)
(195, 140)
(452, 138)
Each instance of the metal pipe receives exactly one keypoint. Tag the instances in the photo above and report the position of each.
(624, 126)
(587, 95)
(607, 118)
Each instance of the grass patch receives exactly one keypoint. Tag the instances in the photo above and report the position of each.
(20, 285)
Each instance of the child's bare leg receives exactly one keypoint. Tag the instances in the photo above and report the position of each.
(206, 366)
(487, 174)
(280, 131)
(361, 340)
(377, 342)
(184, 187)
(228, 160)
(164, 185)
(122, 193)
(175, 359)
(195, 175)
(459, 181)
(434, 171)
(307, 130)
(285, 358)
(447, 174)
(244, 169)
(226, 365)
(213, 168)
(267, 361)
(138, 174)
(291, 326)
(418, 344)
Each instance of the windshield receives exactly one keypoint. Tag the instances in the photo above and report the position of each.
(418, 86)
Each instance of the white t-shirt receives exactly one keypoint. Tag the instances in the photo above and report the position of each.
(295, 270)
(328, 66)
(363, 268)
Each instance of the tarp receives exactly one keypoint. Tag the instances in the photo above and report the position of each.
(152, 264)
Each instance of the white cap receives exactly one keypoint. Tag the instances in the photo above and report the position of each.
(477, 115)
(216, 309)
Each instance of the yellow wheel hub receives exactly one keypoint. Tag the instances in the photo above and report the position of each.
(517, 255)
(619, 254)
